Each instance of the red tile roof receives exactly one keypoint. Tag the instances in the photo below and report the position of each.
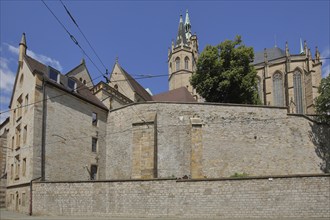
(176, 95)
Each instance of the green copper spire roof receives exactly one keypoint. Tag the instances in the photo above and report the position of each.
(301, 47)
(187, 21)
(187, 26)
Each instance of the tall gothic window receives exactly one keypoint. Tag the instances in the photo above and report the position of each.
(177, 64)
(186, 63)
(278, 89)
(297, 91)
(259, 88)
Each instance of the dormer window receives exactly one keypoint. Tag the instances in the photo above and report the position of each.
(54, 75)
(72, 84)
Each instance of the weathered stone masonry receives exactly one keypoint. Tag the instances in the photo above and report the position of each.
(208, 140)
(276, 197)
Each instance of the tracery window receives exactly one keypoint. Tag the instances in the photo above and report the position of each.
(177, 64)
(186, 63)
(297, 91)
(278, 89)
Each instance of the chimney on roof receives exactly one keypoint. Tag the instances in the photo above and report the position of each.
(22, 50)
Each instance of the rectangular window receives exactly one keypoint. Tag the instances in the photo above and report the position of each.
(26, 101)
(19, 107)
(24, 167)
(12, 171)
(12, 143)
(94, 119)
(71, 84)
(17, 167)
(24, 134)
(94, 144)
(93, 172)
(23, 199)
(18, 136)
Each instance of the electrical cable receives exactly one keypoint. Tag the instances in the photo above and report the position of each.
(73, 38)
(75, 22)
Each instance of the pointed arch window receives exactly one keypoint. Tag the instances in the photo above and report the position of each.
(186, 63)
(259, 88)
(278, 89)
(297, 91)
(177, 64)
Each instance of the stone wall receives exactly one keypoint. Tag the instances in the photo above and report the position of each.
(69, 133)
(214, 140)
(277, 197)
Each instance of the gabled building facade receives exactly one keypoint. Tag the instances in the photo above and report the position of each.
(57, 130)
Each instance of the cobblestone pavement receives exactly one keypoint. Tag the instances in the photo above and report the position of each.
(9, 215)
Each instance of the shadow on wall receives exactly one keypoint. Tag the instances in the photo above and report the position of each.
(320, 136)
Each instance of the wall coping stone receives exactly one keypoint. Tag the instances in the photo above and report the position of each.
(256, 177)
(200, 103)
(193, 180)
(110, 181)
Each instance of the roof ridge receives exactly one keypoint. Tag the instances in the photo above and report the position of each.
(137, 87)
(74, 68)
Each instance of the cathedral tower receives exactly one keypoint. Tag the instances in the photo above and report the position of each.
(182, 57)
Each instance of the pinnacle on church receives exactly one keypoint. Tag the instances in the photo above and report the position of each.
(301, 47)
(187, 26)
(181, 38)
(22, 50)
(23, 40)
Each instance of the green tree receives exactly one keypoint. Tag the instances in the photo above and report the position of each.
(225, 74)
(323, 101)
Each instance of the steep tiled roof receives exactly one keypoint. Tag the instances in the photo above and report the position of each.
(136, 86)
(82, 91)
(35, 65)
(272, 53)
(176, 95)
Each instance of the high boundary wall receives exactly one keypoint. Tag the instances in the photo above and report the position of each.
(207, 140)
(305, 196)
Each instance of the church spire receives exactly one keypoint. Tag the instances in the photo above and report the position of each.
(22, 49)
(181, 38)
(187, 26)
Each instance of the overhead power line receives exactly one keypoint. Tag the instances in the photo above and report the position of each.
(73, 38)
(53, 97)
(75, 22)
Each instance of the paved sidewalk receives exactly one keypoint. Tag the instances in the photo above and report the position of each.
(9, 215)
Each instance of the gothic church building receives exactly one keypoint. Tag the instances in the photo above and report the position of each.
(284, 79)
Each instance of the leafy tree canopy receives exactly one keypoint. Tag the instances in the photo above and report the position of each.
(224, 74)
(323, 101)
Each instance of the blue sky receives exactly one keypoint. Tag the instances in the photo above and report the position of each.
(140, 32)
